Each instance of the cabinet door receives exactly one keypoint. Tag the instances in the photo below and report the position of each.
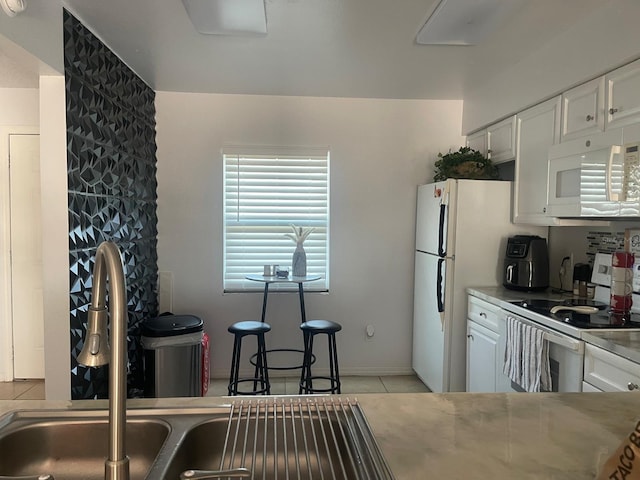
(478, 141)
(537, 129)
(583, 110)
(482, 357)
(623, 101)
(501, 138)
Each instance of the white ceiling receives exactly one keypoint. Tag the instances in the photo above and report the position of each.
(335, 48)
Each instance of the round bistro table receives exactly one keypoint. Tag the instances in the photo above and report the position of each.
(268, 280)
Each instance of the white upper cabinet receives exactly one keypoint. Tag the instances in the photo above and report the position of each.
(501, 140)
(537, 129)
(623, 96)
(583, 110)
(478, 141)
(497, 142)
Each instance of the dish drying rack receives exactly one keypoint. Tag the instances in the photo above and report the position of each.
(302, 438)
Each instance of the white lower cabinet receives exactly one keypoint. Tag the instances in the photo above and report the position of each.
(485, 347)
(604, 371)
(482, 353)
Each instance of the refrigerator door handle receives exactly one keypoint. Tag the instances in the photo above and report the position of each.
(443, 212)
(439, 292)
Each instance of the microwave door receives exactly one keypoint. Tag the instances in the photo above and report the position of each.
(601, 182)
(585, 184)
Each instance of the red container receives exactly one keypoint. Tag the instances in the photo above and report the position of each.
(621, 303)
(622, 259)
(619, 318)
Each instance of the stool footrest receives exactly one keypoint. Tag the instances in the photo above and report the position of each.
(335, 385)
(234, 387)
(253, 358)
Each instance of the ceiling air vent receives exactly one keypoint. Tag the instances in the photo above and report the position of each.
(227, 17)
(464, 22)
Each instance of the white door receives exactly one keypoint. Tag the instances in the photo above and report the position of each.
(538, 129)
(26, 256)
(583, 110)
(622, 103)
(478, 141)
(430, 332)
(502, 140)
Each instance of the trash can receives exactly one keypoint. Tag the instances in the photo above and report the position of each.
(172, 346)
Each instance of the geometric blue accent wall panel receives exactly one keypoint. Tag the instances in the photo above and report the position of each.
(111, 168)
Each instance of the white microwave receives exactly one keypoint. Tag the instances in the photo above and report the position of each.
(596, 176)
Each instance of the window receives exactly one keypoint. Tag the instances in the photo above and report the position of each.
(265, 192)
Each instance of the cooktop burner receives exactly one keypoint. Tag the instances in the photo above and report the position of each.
(601, 319)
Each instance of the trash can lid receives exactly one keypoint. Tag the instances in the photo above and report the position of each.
(171, 325)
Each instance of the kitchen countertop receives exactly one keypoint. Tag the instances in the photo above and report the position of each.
(500, 295)
(465, 435)
(625, 344)
(620, 342)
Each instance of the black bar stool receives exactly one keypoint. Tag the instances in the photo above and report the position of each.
(310, 329)
(261, 374)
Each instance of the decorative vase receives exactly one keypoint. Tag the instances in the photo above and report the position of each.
(299, 262)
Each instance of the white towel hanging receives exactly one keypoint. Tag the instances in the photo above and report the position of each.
(526, 360)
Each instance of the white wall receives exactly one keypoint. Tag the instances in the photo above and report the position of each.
(380, 151)
(597, 43)
(19, 107)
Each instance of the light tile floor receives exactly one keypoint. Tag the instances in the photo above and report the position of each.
(34, 389)
(349, 384)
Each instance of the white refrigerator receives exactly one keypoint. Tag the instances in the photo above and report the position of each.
(461, 235)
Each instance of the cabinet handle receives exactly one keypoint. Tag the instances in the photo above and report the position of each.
(483, 315)
(632, 386)
(471, 337)
(589, 118)
(612, 110)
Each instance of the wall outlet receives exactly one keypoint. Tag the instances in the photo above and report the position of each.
(370, 331)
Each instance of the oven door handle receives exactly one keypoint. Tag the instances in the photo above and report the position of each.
(566, 342)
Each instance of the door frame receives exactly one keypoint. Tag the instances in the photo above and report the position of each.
(6, 323)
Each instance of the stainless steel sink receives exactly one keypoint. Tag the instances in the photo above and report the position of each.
(271, 437)
(73, 445)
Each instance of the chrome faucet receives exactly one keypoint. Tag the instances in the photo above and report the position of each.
(96, 351)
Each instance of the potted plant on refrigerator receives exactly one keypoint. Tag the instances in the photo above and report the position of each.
(465, 163)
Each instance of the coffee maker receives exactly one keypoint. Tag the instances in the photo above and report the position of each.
(526, 263)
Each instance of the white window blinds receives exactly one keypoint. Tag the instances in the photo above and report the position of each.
(265, 192)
